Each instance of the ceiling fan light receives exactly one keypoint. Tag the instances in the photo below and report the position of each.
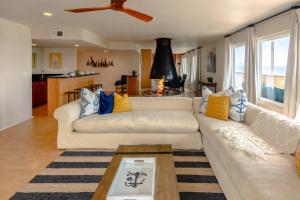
(48, 14)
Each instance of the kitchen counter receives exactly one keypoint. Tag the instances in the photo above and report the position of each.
(58, 86)
(42, 77)
(76, 76)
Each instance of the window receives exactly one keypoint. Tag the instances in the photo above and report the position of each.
(238, 55)
(273, 56)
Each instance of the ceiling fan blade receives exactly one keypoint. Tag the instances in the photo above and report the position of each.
(136, 14)
(81, 10)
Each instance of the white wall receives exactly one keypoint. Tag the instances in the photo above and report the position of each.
(220, 61)
(124, 62)
(69, 60)
(15, 75)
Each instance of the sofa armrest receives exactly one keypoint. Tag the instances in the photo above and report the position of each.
(66, 115)
(69, 112)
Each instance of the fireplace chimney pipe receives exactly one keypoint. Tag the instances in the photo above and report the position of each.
(163, 65)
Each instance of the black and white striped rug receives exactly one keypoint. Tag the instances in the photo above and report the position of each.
(76, 175)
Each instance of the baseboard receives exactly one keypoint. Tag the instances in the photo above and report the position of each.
(16, 123)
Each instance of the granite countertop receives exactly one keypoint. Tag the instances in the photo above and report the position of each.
(65, 76)
(42, 77)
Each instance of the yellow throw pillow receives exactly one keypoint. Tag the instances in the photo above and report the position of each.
(218, 107)
(121, 103)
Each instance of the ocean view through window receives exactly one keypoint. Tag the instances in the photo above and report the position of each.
(273, 56)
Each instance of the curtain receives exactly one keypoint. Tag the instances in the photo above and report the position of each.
(292, 83)
(183, 65)
(194, 69)
(252, 76)
(186, 67)
(228, 68)
(191, 67)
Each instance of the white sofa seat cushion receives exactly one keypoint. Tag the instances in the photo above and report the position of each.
(273, 177)
(158, 121)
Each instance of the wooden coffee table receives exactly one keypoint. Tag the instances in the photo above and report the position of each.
(165, 183)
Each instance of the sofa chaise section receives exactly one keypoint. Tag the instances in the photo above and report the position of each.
(240, 176)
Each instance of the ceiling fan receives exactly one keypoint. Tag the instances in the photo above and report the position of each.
(116, 5)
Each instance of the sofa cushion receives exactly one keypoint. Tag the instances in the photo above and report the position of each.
(106, 103)
(205, 93)
(218, 107)
(89, 102)
(161, 103)
(139, 122)
(273, 177)
(279, 131)
(238, 106)
(121, 103)
(252, 112)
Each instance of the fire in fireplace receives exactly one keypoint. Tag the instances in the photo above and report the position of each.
(160, 86)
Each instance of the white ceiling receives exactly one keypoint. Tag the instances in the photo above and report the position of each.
(49, 43)
(188, 22)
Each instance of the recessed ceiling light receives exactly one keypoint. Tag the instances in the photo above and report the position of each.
(34, 45)
(76, 45)
(105, 51)
(48, 14)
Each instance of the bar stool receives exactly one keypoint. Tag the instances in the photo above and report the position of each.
(97, 86)
(74, 93)
(94, 87)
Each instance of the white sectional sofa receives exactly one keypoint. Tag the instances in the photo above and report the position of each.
(241, 177)
(167, 120)
(176, 121)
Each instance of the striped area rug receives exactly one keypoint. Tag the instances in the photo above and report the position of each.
(76, 175)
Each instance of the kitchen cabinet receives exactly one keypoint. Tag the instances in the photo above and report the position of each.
(39, 92)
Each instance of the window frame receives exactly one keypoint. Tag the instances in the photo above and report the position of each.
(234, 46)
(262, 100)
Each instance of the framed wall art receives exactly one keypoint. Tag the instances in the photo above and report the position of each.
(33, 60)
(55, 60)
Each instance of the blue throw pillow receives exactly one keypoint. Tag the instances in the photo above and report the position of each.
(106, 103)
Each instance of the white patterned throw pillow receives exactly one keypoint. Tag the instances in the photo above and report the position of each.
(89, 102)
(238, 106)
(205, 93)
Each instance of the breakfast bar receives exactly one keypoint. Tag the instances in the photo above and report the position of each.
(58, 86)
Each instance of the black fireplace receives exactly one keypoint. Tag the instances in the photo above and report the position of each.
(163, 64)
(163, 73)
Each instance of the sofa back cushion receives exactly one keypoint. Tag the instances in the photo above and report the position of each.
(252, 112)
(277, 130)
(197, 104)
(161, 103)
